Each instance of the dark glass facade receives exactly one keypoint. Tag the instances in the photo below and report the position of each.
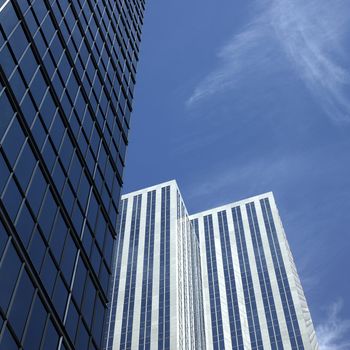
(67, 76)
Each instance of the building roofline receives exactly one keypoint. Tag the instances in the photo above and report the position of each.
(232, 204)
(149, 188)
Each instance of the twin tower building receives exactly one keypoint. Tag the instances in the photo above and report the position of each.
(220, 279)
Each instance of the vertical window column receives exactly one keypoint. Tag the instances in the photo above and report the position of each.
(147, 280)
(264, 279)
(231, 292)
(214, 292)
(164, 277)
(282, 279)
(247, 281)
(128, 311)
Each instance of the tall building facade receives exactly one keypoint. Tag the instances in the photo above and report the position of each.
(67, 76)
(253, 298)
(224, 278)
(156, 298)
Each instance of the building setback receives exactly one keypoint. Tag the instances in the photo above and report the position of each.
(220, 279)
(252, 294)
(67, 76)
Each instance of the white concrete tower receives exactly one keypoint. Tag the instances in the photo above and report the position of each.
(252, 294)
(156, 290)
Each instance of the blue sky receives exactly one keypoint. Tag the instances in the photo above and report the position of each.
(237, 98)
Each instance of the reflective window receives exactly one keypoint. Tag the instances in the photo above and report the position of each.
(9, 271)
(21, 303)
(36, 325)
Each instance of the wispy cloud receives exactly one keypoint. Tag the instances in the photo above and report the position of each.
(333, 333)
(230, 179)
(310, 33)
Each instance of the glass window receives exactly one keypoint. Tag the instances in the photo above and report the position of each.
(51, 337)
(3, 239)
(24, 224)
(9, 271)
(57, 130)
(72, 320)
(38, 132)
(68, 258)
(49, 155)
(29, 63)
(47, 214)
(88, 302)
(13, 141)
(12, 198)
(21, 304)
(58, 236)
(6, 112)
(36, 190)
(7, 341)
(58, 176)
(79, 281)
(60, 297)
(38, 87)
(18, 41)
(48, 273)
(4, 171)
(47, 110)
(98, 320)
(25, 166)
(82, 340)
(11, 17)
(37, 249)
(66, 151)
(35, 326)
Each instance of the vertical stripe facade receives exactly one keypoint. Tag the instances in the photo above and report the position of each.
(282, 278)
(220, 279)
(231, 290)
(263, 296)
(164, 279)
(213, 281)
(264, 279)
(156, 288)
(147, 279)
(197, 286)
(247, 282)
(129, 301)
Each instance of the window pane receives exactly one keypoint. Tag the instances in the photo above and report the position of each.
(24, 224)
(8, 272)
(20, 306)
(8, 342)
(50, 338)
(36, 326)
(37, 249)
(12, 199)
(60, 297)
(13, 142)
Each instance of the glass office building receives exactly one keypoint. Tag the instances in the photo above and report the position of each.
(253, 298)
(156, 296)
(67, 77)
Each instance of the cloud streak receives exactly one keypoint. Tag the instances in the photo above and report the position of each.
(310, 33)
(333, 333)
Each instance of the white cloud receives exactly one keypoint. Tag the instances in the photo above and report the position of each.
(333, 333)
(310, 32)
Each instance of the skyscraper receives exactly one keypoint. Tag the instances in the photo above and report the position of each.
(252, 293)
(67, 77)
(220, 279)
(156, 295)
